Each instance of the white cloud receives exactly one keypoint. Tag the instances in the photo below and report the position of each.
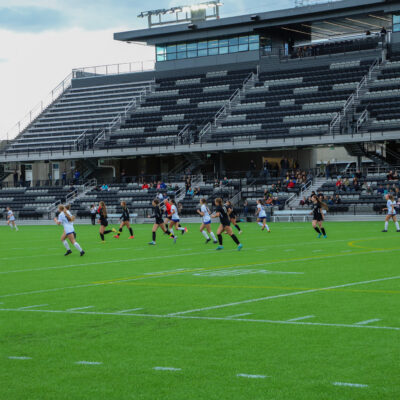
(35, 64)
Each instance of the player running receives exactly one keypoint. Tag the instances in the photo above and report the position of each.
(159, 222)
(125, 221)
(175, 219)
(261, 216)
(66, 219)
(318, 215)
(233, 216)
(102, 211)
(225, 225)
(11, 219)
(204, 212)
(391, 212)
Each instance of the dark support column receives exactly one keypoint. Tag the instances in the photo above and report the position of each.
(359, 163)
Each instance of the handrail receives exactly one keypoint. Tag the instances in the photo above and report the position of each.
(79, 139)
(31, 116)
(363, 118)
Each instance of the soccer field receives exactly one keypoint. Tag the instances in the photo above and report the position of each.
(289, 317)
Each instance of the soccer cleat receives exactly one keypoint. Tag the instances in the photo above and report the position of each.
(240, 247)
(220, 247)
(398, 230)
(240, 232)
(208, 240)
(152, 243)
(82, 253)
(269, 230)
(131, 237)
(319, 235)
(116, 236)
(215, 242)
(384, 230)
(114, 230)
(68, 253)
(325, 237)
(175, 239)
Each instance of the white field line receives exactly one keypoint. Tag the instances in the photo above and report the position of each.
(266, 321)
(88, 363)
(36, 305)
(80, 308)
(167, 369)
(19, 358)
(368, 321)
(132, 309)
(252, 376)
(289, 250)
(301, 318)
(358, 385)
(283, 295)
(238, 315)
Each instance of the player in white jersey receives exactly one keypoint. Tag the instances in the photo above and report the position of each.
(175, 219)
(66, 220)
(11, 219)
(391, 212)
(205, 226)
(261, 216)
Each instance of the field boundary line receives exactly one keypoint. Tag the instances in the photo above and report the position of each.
(301, 318)
(368, 321)
(358, 385)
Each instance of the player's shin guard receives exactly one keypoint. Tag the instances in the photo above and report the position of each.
(237, 227)
(204, 233)
(131, 231)
(386, 225)
(213, 236)
(79, 248)
(260, 224)
(102, 237)
(154, 236)
(235, 239)
(220, 239)
(323, 231)
(66, 245)
(396, 223)
(317, 230)
(106, 232)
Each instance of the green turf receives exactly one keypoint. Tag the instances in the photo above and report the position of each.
(229, 334)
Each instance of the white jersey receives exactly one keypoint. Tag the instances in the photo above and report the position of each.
(10, 216)
(261, 211)
(389, 206)
(68, 226)
(174, 212)
(206, 217)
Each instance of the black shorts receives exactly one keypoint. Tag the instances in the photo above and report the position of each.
(159, 221)
(125, 220)
(317, 218)
(104, 223)
(226, 223)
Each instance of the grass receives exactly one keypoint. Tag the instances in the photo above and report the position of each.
(243, 302)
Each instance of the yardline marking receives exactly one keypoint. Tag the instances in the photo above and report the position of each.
(358, 385)
(88, 363)
(301, 318)
(185, 317)
(239, 315)
(252, 376)
(36, 305)
(79, 308)
(19, 358)
(284, 295)
(167, 369)
(368, 321)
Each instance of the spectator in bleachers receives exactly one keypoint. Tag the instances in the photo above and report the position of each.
(337, 199)
(197, 191)
(145, 186)
(180, 208)
(93, 213)
(265, 170)
(245, 208)
(15, 177)
(355, 185)
(383, 33)
(346, 185)
(278, 186)
(225, 181)
(64, 178)
(252, 168)
(390, 176)
(369, 189)
(77, 176)
(291, 184)
(274, 189)
(190, 192)
(328, 170)
(358, 174)
(380, 190)
(104, 187)
(331, 201)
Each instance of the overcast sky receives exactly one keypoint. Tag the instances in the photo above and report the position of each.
(42, 40)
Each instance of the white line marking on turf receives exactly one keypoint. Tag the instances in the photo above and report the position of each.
(80, 308)
(19, 358)
(238, 315)
(368, 321)
(37, 305)
(345, 251)
(301, 318)
(167, 369)
(88, 363)
(316, 251)
(358, 385)
(283, 295)
(267, 321)
(252, 376)
(289, 250)
(132, 309)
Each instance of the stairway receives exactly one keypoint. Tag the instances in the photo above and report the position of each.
(315, 185)
(360, 150)
(191, 161)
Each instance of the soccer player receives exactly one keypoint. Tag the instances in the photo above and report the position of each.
(102, 211)
(318, 215)
(175, 219)
(125, 221)
(11, 219)
(261, 216)
(391, 212)
(159, 222)
(204, 212)
(225, 225)
(66, 219)
(232, 215)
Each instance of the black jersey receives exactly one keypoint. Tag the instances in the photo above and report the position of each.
(157, 214)
(317, 212)
(232, 214)
(223, 215)
(103, 217)
(125, 214)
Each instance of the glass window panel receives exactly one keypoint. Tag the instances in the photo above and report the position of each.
(160, 57)
(171, 49)
(243, 39)
(212, 52)
(202, 53)
(223, 50)
(254, 38)
(181, 55)
(171, 56)
(233, 49)
(396, 28)
(223, 43)
(192, 46)
(160, 50)
(212, 44)
(192, 53)
(233, 41)
(396, 19)
(202, 45)
(181, 47)
(254, 46)
(243, 47)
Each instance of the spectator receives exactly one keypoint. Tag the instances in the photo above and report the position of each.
(77, 176)
(369, 190)
(197, 191)
(123, 176)
(291, 184)
(145, 186)
(390, 176)
(225, 181)
(64, 178)
(163, 186)
(245, 208)
(331, 201)
(380, 190)
(266, 169)
(358, 174)
(337, 199)
(190, 192)
(180, 208)
(93, 212)
(383, 32)
(15, 177)
(104, 187)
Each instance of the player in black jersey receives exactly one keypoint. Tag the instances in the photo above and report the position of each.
(102, 211)
(318, 215)
(125, 221)
(159, 222)
(232, 215)
(225, 225)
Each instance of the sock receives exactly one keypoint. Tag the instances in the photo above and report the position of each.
(119, 232)
(11, 227)
(66, 245)
(260, 224)
(397, 225)
(79, 248)
(204, 233)
(102, 237)
(181, 228)
(237, 227)
(213, 236)
(109, 231)
(386, 225)
(266, 225)
(16, 227)
(220, 240)
(235, 239)
(323, 231)
(131, 231)
(154, 236)
(317, 229)
(172, 231)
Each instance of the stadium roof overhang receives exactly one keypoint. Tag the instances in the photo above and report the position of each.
(268, 20)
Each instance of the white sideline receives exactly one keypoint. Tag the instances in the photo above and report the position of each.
(19, 358)
(252, 376)
(239, 315)
(283, 295)
(132, 309)
(368, 321)
(79, 308)
(88, 363)
(359, 385)
(167, 369)
(36, 305)
(301, 318)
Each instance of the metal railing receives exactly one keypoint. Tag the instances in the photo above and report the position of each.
(362, 119)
